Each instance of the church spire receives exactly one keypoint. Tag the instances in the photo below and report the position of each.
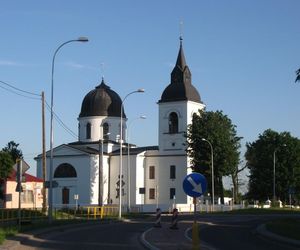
(181, 73)
(180, 62)
(181, 87)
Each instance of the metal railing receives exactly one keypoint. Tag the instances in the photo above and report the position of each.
(10, 216)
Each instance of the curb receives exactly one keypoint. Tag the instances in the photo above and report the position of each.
(146, 243)
(203, 244)
(262, 230)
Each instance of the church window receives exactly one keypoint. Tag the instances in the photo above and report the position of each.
(65, 170)
(173, 123)
(105, 131)
(151, 172)
(88, 131)
(151, 193)
(172, 193)
(172, 172)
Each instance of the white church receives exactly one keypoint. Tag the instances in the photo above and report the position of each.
(88, 169)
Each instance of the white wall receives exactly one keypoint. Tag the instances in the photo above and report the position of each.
(86, 183)
(162, 178)
(170, 143)
(139, 179)
(96, 127)
(175, 143)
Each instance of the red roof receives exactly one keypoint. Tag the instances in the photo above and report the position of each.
(28, 177)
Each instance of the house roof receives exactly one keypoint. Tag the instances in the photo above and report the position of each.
(28, 177)
(134, 151)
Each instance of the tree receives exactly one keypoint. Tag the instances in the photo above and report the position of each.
(260, 161)
(6, 164)
(235, 181)
(12, 149)
(218, 129)
(297, 75)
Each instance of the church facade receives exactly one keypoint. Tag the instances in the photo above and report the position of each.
(88, 169)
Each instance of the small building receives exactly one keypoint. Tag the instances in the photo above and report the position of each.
(31, 196)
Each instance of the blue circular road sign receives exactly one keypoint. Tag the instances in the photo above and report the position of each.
(194, 184)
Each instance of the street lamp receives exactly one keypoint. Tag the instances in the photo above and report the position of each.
(274, 173)
(50, 200)
(212, 173)
(128, 160)
(121, 142)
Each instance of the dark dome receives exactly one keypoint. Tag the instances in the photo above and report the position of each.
(180, 92)
(102, 101)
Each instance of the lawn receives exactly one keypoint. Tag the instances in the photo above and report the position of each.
(287, 227)
(262, 211)
(6, 232)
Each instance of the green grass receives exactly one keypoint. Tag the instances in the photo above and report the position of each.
(6, 232)
(259, 211)
(287, 227)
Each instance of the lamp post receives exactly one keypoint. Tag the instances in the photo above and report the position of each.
(212, 173)
(121, 142)
(128, 160)
(274, 173)
(50, 200)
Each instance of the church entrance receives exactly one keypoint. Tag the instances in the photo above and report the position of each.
(65, 195)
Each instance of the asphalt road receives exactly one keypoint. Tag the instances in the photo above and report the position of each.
(237, 232)
(95, 236)
(216, 232)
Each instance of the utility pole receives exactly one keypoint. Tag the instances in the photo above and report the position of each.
(44, 153)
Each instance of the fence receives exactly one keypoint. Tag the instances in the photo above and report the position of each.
(96, 212)
(10, 217)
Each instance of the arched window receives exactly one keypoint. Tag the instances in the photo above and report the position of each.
(105, 131)
(65, 170)
(88, 130)
(173, 123)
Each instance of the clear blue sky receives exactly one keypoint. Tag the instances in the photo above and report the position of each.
(242, 55)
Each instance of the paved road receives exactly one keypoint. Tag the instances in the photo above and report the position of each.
(216, 232)
(95, 236)
(237, 232)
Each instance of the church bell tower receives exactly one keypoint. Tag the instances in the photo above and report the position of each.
(178, 102)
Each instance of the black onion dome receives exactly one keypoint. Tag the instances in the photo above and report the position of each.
(102, 101)
(180, 88)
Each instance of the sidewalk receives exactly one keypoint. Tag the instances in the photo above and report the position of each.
(166, 239)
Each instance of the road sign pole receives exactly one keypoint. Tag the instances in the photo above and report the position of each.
(195, 233)
(19, 177)
(195, 208)
(195, 185)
